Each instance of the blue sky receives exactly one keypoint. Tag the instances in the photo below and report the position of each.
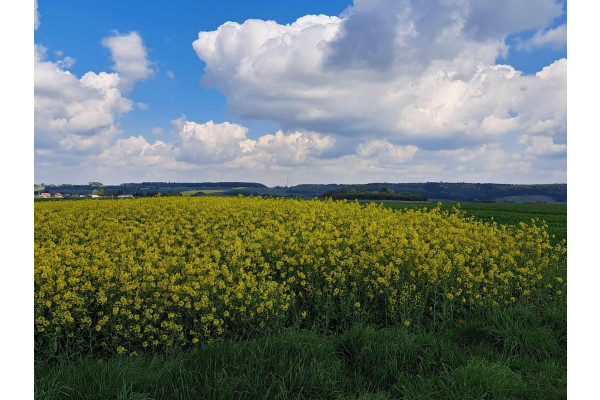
(346, 132)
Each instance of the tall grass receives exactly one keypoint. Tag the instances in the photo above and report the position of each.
(516, 353)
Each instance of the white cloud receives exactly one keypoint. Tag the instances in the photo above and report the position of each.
(555, 37)
(136, 152)
(66, 63)
(170, 74)
(281, 149)
(541, 145)
(76, 115)
(221, 148)
(208, 142)
(157, 131)
(488, 159)
(387, 69)
(142, 106)
(129, 56)
(385, 152)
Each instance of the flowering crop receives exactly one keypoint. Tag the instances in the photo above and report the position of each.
(129, 276)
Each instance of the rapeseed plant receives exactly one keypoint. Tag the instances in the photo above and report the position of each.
(158, 273)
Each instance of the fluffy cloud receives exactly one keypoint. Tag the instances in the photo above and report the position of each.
(555, 37)
(66, 63)
(209, 142)
(541, 145)
(227, 144)
(385, 152)
(408, 71)
(222, 151)
(75, 114)
(129, 56)
(138, 152)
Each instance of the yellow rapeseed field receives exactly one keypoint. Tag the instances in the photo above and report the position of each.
(129, 276)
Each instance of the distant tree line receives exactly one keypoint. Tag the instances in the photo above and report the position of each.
(363, 194)
(466, 192)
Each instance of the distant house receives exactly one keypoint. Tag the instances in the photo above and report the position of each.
(59, 195)
(124, 196)
(94, 196)
(47, 195)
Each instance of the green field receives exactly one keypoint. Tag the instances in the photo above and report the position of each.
(503, 353)
(205, 191)
(555, 215)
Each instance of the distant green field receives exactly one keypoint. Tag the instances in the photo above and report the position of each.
(205, 191)
(525, 199)
(555, 215)
(210, 191)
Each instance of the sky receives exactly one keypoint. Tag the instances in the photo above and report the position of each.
(304, 92)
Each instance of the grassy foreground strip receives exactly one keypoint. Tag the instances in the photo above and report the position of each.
(515, 353)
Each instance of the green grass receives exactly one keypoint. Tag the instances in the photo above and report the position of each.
(515, 353)
(555, 215)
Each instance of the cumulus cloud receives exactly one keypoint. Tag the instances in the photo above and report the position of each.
(555, 37)
(385, 152)
(76, 118)
(541, 145)
(208, 142)
(75, 114)
(228, 144)
(224, 149)
(406, 70)
(136, 151)
(129, 56)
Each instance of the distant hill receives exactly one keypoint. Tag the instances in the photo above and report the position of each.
(464, 192)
